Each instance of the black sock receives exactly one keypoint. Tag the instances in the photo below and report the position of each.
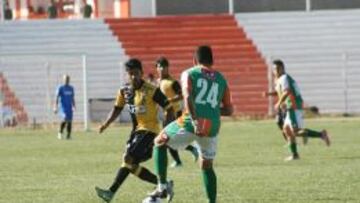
(190, 148)
(146, 175)
(62, 126)
(175, 155)
(68, 128)
(120, 177)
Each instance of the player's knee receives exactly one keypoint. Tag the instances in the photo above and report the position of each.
(161, 139)
(206, 164)
(288, 131)
(132, 167)
(127, 159)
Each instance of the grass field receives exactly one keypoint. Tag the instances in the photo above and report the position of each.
(36, 167)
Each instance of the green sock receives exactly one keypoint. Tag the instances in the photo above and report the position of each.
(160, 157)
(209, 178)
(312, 133)
(293, 148)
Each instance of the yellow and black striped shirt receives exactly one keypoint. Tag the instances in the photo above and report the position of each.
(171, 88)
(143, 105)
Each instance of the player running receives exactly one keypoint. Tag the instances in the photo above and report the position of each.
(290, 97)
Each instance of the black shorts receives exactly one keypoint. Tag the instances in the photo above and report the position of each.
(280, 118)
(140, 145)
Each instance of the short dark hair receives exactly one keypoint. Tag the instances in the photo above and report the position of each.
(279, 63)
(133, 63)
(204, 55)
(162, 61)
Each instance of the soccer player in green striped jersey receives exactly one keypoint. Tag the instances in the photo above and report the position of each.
(206, 97)
(290, 98)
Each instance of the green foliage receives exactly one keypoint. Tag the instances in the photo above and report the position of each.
(36, 167)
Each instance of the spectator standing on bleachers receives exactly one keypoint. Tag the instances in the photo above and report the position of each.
(66, 94)
(52, 10)
(7, 11)
(7, 115)
(86, 10)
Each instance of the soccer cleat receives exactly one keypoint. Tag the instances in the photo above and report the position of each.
(176, 165)
(325, 137)
(292, 158)
(106, 195)
(170, 190)
(167, 193)
(59, 135)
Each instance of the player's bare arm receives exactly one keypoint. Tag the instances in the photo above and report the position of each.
(73, 103)
(56, 104)
(177, 89)
(189, 105)
(161, 100)
(282, 98)
(269, 94)
(115, 112)
(227, 108)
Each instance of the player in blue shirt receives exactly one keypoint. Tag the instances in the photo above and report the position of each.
(65, 93)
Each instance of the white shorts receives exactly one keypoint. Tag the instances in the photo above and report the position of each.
(294, 119)
(206, 145)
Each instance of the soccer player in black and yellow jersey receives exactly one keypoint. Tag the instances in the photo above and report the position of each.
(172, 90)
(142, 100)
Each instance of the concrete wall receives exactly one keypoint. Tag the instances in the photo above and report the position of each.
(141, 8)
(169, 7)
(268, 5)
(335, 4)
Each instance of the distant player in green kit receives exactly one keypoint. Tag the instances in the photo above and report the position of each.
(290, 98)
(207, 97)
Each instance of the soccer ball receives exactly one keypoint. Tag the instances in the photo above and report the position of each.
(151, 200)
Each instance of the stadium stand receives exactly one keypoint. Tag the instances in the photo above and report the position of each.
(176, 37)
(28, 49)
(10, 101)
(320, 49)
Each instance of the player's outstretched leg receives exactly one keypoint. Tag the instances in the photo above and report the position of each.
(193, 151)
(325, 136)
(144, 174)
(108, 194)
(315, 134)
(175, 155)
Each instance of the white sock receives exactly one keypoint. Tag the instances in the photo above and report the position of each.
(161, 186)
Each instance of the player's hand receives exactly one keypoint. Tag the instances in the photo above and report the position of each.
(55, 110)
(201, 129)
(277, 106)
(264, 94)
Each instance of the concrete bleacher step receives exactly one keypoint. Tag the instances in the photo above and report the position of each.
(320, 50)
(12, 101)
(177, 37)
(58, 45)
